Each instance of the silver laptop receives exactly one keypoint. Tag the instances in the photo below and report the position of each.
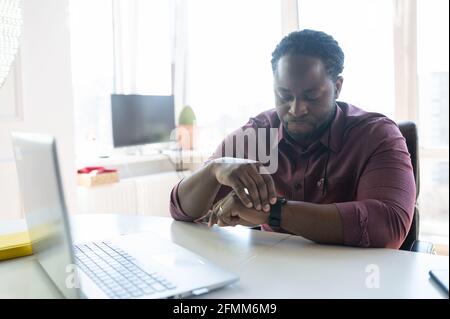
(140, 265)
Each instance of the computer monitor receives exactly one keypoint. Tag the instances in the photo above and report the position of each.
(141, 119)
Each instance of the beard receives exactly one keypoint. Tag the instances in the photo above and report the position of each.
(317, 131)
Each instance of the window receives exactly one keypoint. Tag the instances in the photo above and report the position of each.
(432, 61)
(433, 81)
(118, 46)
(142, 47)
(92, 73)
(364, 31)
(229, 76)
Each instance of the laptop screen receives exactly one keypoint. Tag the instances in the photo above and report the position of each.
(45, 211)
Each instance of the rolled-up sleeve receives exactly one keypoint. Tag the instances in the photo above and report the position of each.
(177, 212)
(175, 207)
(382, 212)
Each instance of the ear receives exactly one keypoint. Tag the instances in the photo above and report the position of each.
(338, 86)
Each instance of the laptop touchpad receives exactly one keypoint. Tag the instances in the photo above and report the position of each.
(177, 260)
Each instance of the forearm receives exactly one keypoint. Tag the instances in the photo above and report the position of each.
(320, 223)
(197, 192)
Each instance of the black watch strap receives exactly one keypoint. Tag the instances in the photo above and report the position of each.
(275, 213)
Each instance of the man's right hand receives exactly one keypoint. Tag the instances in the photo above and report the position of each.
(246, 178)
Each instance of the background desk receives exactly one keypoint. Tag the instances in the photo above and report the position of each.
(270, 265)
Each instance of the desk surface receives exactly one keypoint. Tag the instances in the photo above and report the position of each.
(270, 265)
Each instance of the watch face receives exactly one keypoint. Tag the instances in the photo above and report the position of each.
(275, 213)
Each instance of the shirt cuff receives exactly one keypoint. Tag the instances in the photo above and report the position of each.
(175, 207)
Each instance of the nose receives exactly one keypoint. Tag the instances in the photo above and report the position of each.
(298, 108)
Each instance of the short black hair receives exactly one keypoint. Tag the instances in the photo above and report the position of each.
(315, 44)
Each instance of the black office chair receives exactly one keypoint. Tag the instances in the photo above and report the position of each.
(411, 242)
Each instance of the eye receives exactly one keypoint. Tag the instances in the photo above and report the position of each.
(311, 99)
(285, 98)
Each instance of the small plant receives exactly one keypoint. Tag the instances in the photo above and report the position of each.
(187, 116)
(185, 132)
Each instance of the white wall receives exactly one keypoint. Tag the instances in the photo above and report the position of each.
(45, 90)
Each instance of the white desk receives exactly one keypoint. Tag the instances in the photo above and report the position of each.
(270, 265)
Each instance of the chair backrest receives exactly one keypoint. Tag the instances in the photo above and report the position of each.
(409, 132)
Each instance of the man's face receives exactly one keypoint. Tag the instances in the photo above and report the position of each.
(304, 95)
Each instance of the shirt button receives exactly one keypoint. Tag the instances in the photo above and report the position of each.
(320, 182)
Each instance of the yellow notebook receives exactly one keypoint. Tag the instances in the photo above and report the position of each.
(15, 245)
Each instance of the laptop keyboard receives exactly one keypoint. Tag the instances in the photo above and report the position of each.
(115, 272)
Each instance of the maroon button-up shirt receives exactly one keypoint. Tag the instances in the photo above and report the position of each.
(369, 174)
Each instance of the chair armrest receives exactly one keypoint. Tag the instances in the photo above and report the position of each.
(423, 247)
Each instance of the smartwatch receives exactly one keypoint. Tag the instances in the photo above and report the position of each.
(275, 213)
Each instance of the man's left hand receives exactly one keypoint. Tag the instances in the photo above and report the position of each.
(231, 212)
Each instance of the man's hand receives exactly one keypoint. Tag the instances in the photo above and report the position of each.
(252, 188)
(231, 212)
